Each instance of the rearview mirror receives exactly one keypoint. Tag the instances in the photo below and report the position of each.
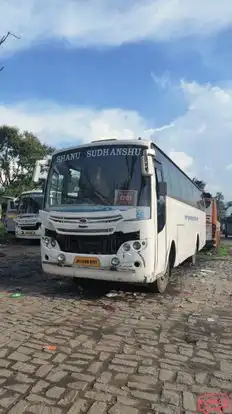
(41, 169)
(147, 164)
(163, 189)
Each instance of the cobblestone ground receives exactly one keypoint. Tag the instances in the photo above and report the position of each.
(132, 353)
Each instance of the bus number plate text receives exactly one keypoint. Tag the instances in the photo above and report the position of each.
(86, 262)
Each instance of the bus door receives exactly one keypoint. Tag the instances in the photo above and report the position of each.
(11, 213)
(161, 243)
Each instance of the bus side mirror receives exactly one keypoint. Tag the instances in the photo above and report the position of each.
(163, 189)
(147, 164)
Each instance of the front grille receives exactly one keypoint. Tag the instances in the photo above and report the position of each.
(34, 227)
(86, 230)
(75, 220)
(92, 244)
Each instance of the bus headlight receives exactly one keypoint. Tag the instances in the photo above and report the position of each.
(126, 247)
(46, 241)
(136, 245)
(115, 261)
(61, 258)
(53, 243)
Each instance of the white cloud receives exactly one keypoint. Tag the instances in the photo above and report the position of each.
(204, 132)
(181, 159)
(199, 141)
(57, 125)
(107, 22)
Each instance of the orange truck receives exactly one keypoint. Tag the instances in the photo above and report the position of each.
(213, 231)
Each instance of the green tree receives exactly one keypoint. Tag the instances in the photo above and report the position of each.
(18, 154)
(200, 183)
(220, 205)
(228, 204)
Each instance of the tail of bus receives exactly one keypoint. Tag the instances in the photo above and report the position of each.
(216, 228)
(213, 230)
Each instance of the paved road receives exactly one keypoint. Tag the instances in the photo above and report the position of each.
(132, 353)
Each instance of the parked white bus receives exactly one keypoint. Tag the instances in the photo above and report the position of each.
(27, 221)
(121, 211)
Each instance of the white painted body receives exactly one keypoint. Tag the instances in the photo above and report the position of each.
(185, 227)
(25, 226)
(28, 225)
(183, 230)
(153, 255)
(126, 271)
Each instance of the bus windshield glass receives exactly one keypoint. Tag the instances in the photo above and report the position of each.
(98, 176)
(30, 203)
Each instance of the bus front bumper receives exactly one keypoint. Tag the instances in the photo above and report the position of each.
(27, 234)
(130, 269)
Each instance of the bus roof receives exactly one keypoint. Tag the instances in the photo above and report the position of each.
(139, 142)
(7, 197)
(32, 192)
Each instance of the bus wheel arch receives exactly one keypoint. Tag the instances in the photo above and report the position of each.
(193, 259)
(172, 255)
(160, 284)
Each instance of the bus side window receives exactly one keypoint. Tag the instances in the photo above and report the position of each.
(161, 213)
(12, 205)
(159, 179)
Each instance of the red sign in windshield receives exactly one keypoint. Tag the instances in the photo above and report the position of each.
(126, 197)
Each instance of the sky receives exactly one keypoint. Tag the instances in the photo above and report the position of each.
(84, 70)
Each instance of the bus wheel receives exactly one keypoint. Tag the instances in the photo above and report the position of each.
(194, 257)
(160, 284)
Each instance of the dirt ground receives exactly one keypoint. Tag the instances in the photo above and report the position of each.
(66, 347)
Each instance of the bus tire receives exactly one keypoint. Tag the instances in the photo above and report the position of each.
(160, 284)
(194, 256)
(193, 259)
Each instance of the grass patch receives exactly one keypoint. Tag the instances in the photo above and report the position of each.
(220, 253)
(223, 250)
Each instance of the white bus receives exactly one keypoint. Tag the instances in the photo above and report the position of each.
(123, 211)
(27, 221)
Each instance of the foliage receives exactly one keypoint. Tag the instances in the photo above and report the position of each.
(223, 251)
(220, 205)
(228, 204)
(200, 183)
(18, 154)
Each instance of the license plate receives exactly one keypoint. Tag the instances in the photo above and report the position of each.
(86, 261)
(27, 233)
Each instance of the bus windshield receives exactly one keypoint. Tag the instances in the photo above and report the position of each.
(30, 203)
(102, 175)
